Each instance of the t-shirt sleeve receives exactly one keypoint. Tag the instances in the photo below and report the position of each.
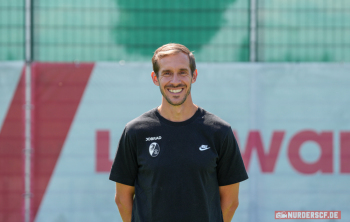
(230, 166)
(124, 168)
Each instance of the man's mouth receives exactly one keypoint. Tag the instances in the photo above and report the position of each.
(175, 90)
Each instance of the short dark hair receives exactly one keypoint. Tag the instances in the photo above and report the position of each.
(172, 49)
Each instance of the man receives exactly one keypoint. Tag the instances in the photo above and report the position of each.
(177, 162)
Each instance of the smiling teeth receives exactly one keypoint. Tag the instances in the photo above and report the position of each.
(175, 90)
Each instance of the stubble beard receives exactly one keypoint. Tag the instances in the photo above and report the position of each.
(169, 100)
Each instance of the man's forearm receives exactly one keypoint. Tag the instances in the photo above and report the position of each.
(124, 207)
(228, 210)
(229, 200)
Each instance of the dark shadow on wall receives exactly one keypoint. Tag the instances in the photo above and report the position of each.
(145, 25)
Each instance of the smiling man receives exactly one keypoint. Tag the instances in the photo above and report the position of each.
(177, 162)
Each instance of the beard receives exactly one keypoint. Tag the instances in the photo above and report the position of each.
(169, 100)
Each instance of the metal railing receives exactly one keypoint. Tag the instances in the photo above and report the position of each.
(217, 31)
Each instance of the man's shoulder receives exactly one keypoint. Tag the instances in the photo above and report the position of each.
(216, 123)
(144, 121)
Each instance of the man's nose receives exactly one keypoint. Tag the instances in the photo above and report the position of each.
(175, 79)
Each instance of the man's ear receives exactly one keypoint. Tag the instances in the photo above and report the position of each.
(194, 76)
(154, 79)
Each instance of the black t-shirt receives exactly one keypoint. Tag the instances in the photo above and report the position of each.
(177, 167)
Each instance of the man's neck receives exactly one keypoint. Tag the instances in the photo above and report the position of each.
(177, 113)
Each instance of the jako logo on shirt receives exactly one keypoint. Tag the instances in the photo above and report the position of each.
(154, 149)
(153, 138)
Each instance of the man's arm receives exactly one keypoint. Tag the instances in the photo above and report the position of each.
(229, 200)
(124, 198)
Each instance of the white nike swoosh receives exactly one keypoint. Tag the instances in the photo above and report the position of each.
(203, 148)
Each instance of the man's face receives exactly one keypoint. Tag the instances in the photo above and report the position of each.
(175, 78)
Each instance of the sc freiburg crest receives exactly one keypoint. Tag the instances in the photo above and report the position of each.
(154, 149)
